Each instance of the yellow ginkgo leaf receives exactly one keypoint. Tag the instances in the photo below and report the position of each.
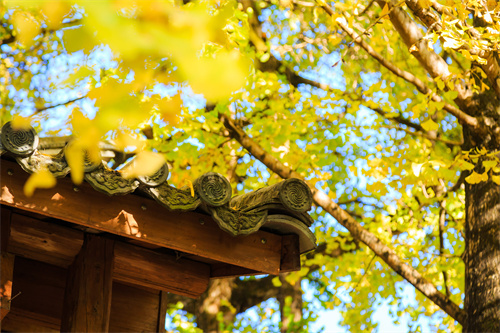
(146, 163)
(475, 178)
(170, 109)
(126, 140)
(417, 168)
(26, 26)
(464, 165)
(489, 164)
(54, 12)
(496, 179)
(190, 185)
(430, 125)
(79, 74)
(21, 123)
(40, 179)
(384, 12)
(75, 156)
(413, 48)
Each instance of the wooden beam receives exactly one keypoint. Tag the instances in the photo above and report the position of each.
(58, 245)
(290, 253)
(6, 277)
(160, 271)
(87, 299)
(221, 270)
(142, 219)
(44, 241)
(20, 320)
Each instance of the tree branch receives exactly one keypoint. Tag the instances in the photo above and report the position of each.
(273, 64)
(430, 19)
(60, 104)
(11, 38)
(427, 136)
(442, 219)
(357, 231)
(412, 36)
(399, 120)
(462, 117)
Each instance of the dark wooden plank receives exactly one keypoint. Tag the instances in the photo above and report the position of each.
(40, 288)
(221, 270)
(5, 214)
(19, 320)
(44, 241)
(143, 219)
(6, 279)
(133, 309)
(162, 312)
(87, 298)
(290, 253)
(160, 271)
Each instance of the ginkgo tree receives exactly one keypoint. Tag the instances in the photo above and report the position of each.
(388, 109)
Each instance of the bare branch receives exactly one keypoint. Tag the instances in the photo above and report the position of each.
(357, 231)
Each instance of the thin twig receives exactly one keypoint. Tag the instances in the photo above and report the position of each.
(60, 104)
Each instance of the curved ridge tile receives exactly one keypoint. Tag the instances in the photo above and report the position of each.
(213, 189)
(238, 222)
(173, 198)
(110, 181)
(156, 179)
(21, 142)
(57, 164)
(284, 224)
(292, 196)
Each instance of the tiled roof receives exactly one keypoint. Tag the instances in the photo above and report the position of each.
(281, 208)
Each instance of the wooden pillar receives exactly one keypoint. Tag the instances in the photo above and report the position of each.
(7, 263)
(5, 217)
(6, 273)
(87, 298)
(162, 312)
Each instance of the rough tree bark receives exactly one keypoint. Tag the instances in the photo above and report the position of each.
(482, 228)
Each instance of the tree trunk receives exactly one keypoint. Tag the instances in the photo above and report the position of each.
(482, 238)
(290, 310)
(213, 301)
(482, 257)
